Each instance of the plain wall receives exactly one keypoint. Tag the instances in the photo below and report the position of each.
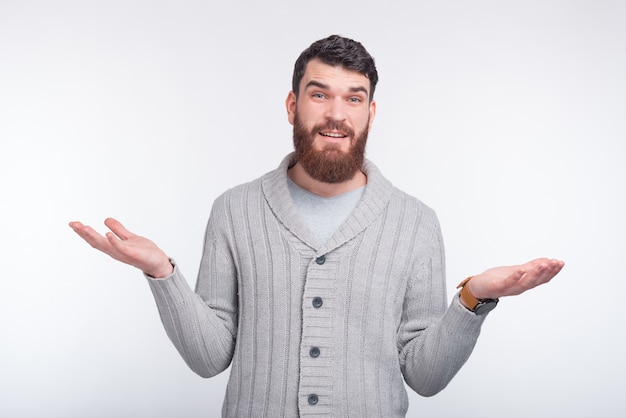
(506, 117)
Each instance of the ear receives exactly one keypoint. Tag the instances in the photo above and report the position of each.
(372, 114)
(290, 104)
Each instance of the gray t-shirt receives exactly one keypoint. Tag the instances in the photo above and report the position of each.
(324, 215)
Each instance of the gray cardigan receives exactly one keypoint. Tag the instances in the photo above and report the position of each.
(319, 329)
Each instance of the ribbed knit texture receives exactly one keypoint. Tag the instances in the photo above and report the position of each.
(383, 313)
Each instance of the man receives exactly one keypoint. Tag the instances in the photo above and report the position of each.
(321, 282)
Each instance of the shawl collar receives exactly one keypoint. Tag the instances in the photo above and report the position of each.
(375, 198)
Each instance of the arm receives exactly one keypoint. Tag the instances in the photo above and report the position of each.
(435, 339)
(435, 344)
(201, 325)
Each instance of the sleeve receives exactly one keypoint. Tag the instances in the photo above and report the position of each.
(434, 341)
(202, 325)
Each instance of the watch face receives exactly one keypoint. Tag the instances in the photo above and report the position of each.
(485, 306)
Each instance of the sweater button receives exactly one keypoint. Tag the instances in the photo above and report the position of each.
(313, 399)
(314, 352)
(320, 260)
(317, 302)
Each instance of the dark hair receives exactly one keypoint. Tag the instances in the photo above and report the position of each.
(337, 51)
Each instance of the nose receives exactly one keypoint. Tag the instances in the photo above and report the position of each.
(336, 110)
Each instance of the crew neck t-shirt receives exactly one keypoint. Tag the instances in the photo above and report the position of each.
(324, 215)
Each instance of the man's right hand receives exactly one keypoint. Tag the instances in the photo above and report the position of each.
(127, 247)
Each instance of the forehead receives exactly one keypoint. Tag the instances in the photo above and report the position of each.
(334, 76)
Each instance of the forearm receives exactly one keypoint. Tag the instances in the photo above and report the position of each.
(431, 359)
(200, 336)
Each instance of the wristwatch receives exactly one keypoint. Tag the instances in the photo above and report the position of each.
(478, 306)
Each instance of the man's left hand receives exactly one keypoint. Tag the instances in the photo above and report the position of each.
(513, 280)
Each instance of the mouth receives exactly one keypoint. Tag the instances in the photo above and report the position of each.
(333, 135)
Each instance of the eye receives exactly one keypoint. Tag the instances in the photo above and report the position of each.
(355, 100)
(318, 95)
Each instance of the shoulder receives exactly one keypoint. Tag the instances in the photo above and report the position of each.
(248, 195)
(399, 202)
(237, 196)
(412, 204)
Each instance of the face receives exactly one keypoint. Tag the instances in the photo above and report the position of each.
(331, 116)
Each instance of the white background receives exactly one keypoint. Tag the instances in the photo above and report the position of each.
(506, 117)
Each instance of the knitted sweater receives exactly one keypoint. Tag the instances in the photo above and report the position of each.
(312, 328)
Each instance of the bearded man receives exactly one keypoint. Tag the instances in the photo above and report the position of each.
(321, 283)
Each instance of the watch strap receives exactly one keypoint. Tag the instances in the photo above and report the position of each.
(466, 296)
(478, 306)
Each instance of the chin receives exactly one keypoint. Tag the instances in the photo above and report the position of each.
(330, 146)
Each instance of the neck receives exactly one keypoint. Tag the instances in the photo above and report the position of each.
(298, 175)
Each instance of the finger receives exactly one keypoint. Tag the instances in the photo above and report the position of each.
(544, 266)
(552, 269)
(533, 264)
(118, 229)
(93, 238)
(551, 266)
(127, 253)
(75, 224)
(115, 242)
(542, 272)
(558, 264)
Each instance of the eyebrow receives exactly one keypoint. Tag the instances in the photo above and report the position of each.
(314, 83)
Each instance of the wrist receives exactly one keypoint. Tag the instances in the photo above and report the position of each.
(162, 272)
(471, 302)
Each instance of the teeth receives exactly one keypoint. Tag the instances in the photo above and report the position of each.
(333, 134)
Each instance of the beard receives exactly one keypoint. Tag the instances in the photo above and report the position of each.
(331, 164)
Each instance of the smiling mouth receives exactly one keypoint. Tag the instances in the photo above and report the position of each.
(336, 135)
